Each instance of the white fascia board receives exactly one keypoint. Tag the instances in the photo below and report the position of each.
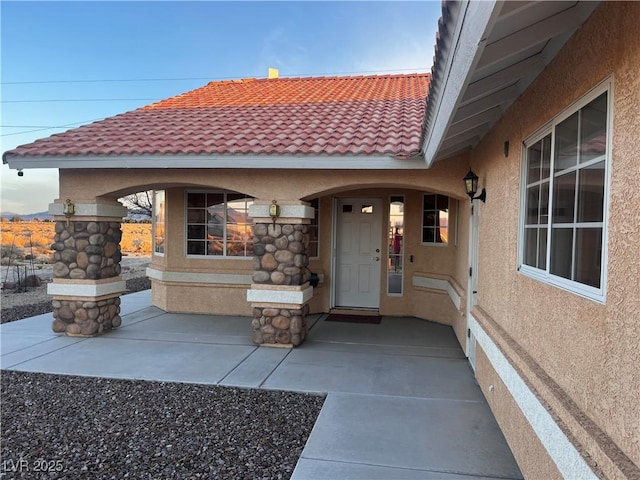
(472, 30)
(292, 162)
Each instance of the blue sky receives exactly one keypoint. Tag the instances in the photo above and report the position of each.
(69, 51)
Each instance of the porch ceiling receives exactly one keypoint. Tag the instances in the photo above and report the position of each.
(487, 54)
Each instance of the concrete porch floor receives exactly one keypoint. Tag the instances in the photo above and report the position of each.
(402, 402)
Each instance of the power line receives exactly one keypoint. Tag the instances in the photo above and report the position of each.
(48, 128)
(84, 100)
(32, 82)
(213, 78)
(38, 128)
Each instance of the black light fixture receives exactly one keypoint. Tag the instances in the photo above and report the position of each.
(69, 210)
(471, 186)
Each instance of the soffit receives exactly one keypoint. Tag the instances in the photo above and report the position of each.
(520, 39)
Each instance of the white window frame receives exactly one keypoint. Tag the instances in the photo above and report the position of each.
(402, 249)
(317, 225)
(436, 244)
(186, 225)
(587, 291)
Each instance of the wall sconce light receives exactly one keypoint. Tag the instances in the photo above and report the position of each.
(69, 209)
(274, 211)
(471, 186)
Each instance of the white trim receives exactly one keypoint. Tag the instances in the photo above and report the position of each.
(197, 277)
(333, 247)
(90, 210)
(86, 290)
(290, 162)
(472, 278)
(298, 297)
(437, 284)
(286, 211)
(565, 455)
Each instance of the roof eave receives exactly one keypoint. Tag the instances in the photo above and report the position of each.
(462, 38)
(487, 55)
(296, 162)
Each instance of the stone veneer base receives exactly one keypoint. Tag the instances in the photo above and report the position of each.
(86, 269)
(279, 326)
(87, 317)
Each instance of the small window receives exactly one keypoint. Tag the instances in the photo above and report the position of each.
(158, 222)
(367, 209)
(347, 208)
(564, 195)
(218, 224)
(435, 219)
(314, 230)
(395, 245)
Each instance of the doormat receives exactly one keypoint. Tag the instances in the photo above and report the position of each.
(337, 317)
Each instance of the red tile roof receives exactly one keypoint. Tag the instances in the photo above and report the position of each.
(368, 115)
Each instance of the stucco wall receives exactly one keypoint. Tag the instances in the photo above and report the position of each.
(530, 454)
(590, 350)
(84, 186)
(293, 186)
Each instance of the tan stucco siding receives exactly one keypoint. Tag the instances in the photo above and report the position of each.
(86, 185)
(531, 456)
(295, 186)
(591, 350)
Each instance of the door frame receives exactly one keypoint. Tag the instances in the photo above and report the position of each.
(472, 282)
(334, 249)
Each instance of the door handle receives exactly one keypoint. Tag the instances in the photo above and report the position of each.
(377, 259)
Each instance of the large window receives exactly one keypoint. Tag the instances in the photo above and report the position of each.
(158, 222)
(564, 199)
(218, 224)
(435, 219)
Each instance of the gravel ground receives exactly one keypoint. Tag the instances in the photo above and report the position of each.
(82, 427)
(35, 301)
(26, 310)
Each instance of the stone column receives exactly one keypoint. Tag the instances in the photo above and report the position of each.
(87, 285)
(280, 291)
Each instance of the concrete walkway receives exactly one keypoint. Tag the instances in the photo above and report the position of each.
(401, 401)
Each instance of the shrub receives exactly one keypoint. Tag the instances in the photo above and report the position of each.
(10, 253)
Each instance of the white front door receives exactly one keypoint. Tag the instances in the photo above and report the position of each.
(358, 252)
